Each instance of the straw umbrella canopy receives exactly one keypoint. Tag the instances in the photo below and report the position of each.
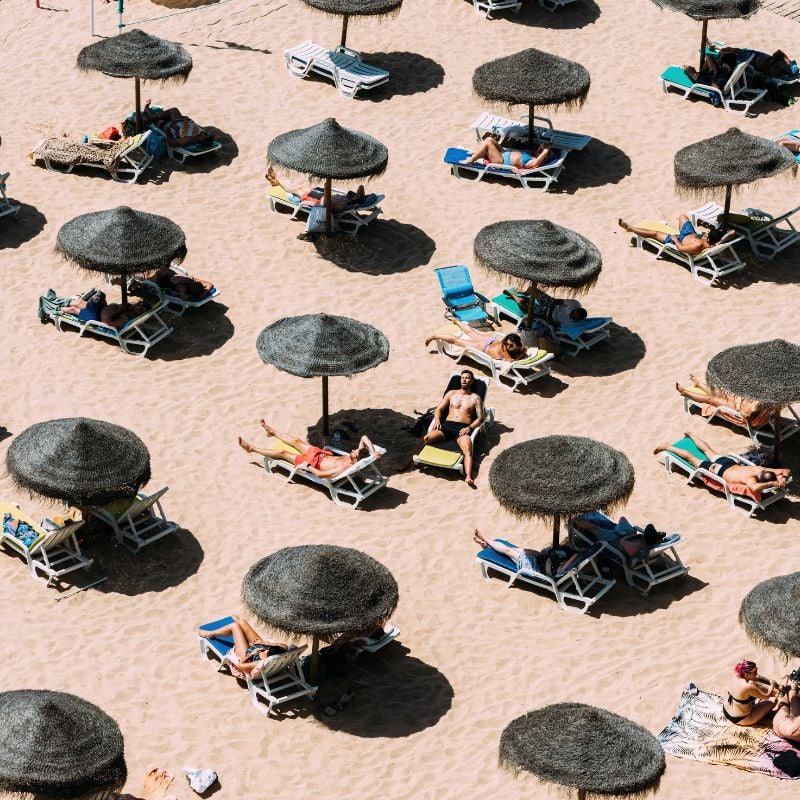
(729, 159)
(322, 345)
(585, 748)
(121, 241)
(56, 745)
(81, 461)
(765, 372)
(532, 78)
(560, 476)
(353, 8)
(770, 614)
(331, 152)
(540, 253)
(136, 54)
(323, 591)
(704, 10)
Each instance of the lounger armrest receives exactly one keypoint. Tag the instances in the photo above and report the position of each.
(348, 51)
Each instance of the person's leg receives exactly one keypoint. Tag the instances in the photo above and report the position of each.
(700, 396)
(493, 151)
(285, 455)
(240, 641)
(294, 441)
(510, 552)
(465, 445)
(646, 232)
(481, 152)
(684, 454)
(248, 630)
(702, 445)
(760, 710)
(448, 338)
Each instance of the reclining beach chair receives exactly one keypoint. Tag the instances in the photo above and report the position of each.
(650, 566)
(738, 496)
(708, 267)
(278, 681)
(576, 589)
(767, 235)
(504, 129)
(170, 297)
(461, 300)
(6, 206)
(131, 161)
(138, 523)
(370, 644)
(554, 5)
(341, 65)
(54, 551)
(348, 488)
(518, 373)
(573, 338)
(446, 455)
(488, 7)
(795, 134)
(135, 338)
(537, 177)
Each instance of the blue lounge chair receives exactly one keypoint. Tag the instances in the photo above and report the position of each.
(537, 177)
(462, 301)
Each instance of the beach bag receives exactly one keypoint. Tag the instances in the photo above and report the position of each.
(156, 143)
(316, 220)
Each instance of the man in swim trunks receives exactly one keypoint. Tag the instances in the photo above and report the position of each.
(493, 153)
(689, 241)
(464, 414)
(316, 460)
(755, 478)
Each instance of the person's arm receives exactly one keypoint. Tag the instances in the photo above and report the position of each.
(365, 442)
(324, 473)
(440, 409)
(480, 416)
(755, 486)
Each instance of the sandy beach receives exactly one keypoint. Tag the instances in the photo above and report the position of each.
(427, 714)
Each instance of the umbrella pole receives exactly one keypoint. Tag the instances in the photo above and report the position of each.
(776, 450)
(327, 200)
(529, 314)
(324, 405)
(581, 794)
(345, 20)
(124, 288)
(138, 106)
(727, 210)
(703, 45)
(530, 127)
(556, 531)
(314, 661)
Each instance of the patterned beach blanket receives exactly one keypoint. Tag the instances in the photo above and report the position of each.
(69, 153)
(700, 731)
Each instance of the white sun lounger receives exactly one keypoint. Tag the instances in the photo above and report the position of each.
(171, 299)
(6, 206)
(139, 524)
(367, 645)
(348, 488)
(766, 234)
(709, 266)
(54, 553)
(504, 128)
(488, 7)
(341, 65)
(736, 96)
(278, 681)
(536, 178)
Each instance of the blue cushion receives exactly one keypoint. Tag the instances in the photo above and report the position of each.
(220, 644)
(456, 154)
(498, 559)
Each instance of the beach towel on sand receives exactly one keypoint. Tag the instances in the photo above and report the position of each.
(70, 153)
(700, 731)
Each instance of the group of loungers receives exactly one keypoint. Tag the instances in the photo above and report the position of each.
(488, 7)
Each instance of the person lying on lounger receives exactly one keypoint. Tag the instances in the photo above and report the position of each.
(115, 315)
(548, 561)
(249, 649)
(755, 478)
(312, 195)
(492, 152)
(187, 287)
(715, 72)
(791, 142)
(786, 722)
(508, 347)
(773, 65)
(687, 240)
(553, 309)
(180, 130)
(315, 460)
(751, 411)
(750, 697)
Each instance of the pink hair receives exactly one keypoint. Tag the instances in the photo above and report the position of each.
(745, 668)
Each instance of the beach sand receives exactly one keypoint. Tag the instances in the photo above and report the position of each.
(471, 655)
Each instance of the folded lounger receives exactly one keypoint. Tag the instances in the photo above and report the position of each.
(504, 128)
(368, 644)
(574, 337)
(341, 65)
(461, 300)
(139, 522)
(707, 267)
(170, 297)
(488, 7)
(738, 496)
(539, 177)
(795, 134)
(736, 96)
(6, 206)
(646, 568)
(54, 551)
(447, 455)
(278, 681)
(575, 589)
(766, 234)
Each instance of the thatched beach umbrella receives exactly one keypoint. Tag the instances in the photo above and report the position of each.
(321, 590)
(765, 372)
(584, 748)
(136, 54)
(560, 476)
(353, 8)
(729, 159)
(56, 745)
(121, 241)
(322, 345)
(704, 10)
(770, 614)
(539, 253)
(532, 78)
(81, 461)
(331, 152)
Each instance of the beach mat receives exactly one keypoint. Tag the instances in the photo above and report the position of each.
(700, 731)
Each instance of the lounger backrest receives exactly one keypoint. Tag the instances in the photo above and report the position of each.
(280, 662)
(142, 504)
(481, 385)
(56, 536)
(455, 283)
(735, 77)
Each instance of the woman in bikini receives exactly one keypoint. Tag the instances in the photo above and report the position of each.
(750, 412)
(750, 697)
(507, 348)
(307, 194)
(687, 240)
(249, 649)
(492, 152)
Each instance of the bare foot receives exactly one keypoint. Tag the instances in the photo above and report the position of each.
(156, 783)
(693, 379)
(661, 448)
(429, 340)
(624, 225)
(268, 428)
(203, 634)
(248, 448)
(470, 482)
(479, 538)
(679, 387)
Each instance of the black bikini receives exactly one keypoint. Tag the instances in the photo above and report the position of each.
(731, 699)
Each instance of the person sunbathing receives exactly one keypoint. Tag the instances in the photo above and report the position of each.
(791, 142)
(179, 129)
(786, 722)
(507, 348)
(154, 787)
(248, 650)
(491, 152)
(545, 306)
(548, 561)
(316, 460)
(754, 478)
(751, 412)
(750, 697)
(313, 195)
(687, 240)
(187, 287)
(715, 72)
(118, 315)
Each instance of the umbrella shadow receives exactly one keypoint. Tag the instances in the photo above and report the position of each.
(622, 353)
(5, 433)
(199, 332)
(574, 15)
(394, 694)
(412, 73)
(781, 270)
(223, 157)
(179, 4)
(384, 247)
(26, 224)
(624, 601)
(598, 164)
